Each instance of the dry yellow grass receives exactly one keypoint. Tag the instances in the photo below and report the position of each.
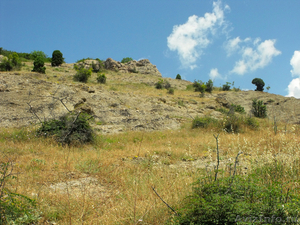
(126, 166)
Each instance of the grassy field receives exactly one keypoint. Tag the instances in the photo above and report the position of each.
(116, 175)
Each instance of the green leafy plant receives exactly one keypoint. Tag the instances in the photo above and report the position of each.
(178, 77)
(126, 60)
(259, 84)
(36, 54)
(161, 84)
(259, 109)
(83, 75)
(71, 128)
(38, 65)
(12, 62)
(57, 58)
(101, 78)
(251, 122)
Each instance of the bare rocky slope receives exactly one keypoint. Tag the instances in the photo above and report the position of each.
(129, 100)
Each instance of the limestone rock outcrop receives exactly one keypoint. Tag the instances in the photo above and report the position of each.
(142, 66)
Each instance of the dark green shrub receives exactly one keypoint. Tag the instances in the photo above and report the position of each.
(259, 109)
(226, 87)
(159, 84)
(202, 122)
(209, 86)
(82, 75)
(6, 65)
(126, 60)
(57, 58)
(171, 91)
(70, 128)
(166, 84)
(38, 65)
(259, 84)
(35, 54)
(101, 78)
(98, 67)
(178, 77)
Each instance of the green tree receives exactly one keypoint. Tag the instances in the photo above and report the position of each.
(83, 75)
(259, 84)
(57, 58)
(35, 54)
(178, 77)
(126, 60)
(38, 65)
(209, 86)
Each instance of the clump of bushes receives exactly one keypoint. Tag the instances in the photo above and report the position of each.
(57, 58)
(202, 87)
(238, 108)
(12, 62)
(71, 128)
(161, 84)
(203, 122)
(226, 87)
(38, 65)
(101, 78)
(82, 75)
(259, 109)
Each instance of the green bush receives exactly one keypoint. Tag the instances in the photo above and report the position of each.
(209, 86)
(101, 78)
(171, 91)
(12, 62)
(38, 65)
(202, 122)
(178, 77)
(199, 86)
(226, 87)
(259, 109)
(238, 108)
(232, 123)
(35, 54)
(57, 58)
(83, 75)
(161, 84)
(71, 128)
(259, 84)
(126, 60)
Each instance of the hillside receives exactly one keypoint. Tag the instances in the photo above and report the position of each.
(128, 101)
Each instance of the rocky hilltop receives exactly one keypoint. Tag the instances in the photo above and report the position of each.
(128, 101)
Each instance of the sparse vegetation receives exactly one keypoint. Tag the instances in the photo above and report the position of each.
(171, 91)
(226, 87)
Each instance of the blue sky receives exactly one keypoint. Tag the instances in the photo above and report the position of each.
(223, 40)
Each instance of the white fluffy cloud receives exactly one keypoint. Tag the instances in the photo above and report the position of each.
(294, 86)
(259, 55)
(214, 73)
(295, 63)
(191, 38)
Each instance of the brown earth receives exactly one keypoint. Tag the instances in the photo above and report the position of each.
(127, 102)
